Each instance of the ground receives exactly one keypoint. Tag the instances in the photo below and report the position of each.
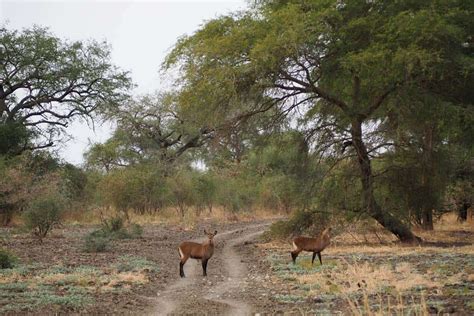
(361, 274)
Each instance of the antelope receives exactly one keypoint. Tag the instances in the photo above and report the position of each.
(203, 252)
(314, 245)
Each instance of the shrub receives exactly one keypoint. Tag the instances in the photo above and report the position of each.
(136, 230)
(7, 259)
(96, 243)
(303, 221)
(113, 224)
(113, 228)
(43, 213)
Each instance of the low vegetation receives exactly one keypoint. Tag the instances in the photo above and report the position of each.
(43, 214)
(371, 275)
(69, 288)
(7, 259)
(112, 228)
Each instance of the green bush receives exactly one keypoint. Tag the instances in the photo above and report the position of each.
(113, 224)
(303, 221)
(113, 228)
(136, 230)
(7, 259)
(96, 243)
(43, 213)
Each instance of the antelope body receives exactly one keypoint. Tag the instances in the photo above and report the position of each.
(314, 245)
(193, 250)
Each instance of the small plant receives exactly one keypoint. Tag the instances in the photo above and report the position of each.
(132, 263)
(96, 243)
(136, 230)
(113, 224)
(7, 259)
(113, 228)
(43, 214)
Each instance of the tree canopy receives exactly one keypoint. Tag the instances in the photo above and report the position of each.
(46, 82)
(346, 69)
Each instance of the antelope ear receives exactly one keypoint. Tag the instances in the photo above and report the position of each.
(215, 232)
(205, 232)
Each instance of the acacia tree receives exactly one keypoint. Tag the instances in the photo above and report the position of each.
(149, 128)
(46, 82)
(342, 63)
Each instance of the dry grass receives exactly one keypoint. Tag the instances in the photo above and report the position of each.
(169, 216)
(373, 279)
(377, 276)
(88, 278)
(397, 307)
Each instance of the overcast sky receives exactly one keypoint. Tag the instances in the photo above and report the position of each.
(140, 32)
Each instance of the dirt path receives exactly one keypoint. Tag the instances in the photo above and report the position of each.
(196, 294)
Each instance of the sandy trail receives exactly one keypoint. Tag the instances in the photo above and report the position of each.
(236, 274)
(233, 272)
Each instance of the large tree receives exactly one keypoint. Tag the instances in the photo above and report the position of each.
(345, 65)
(149, 128)
(46, 82)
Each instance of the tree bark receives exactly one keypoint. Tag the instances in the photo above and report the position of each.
(427, 219)
(462, 211)
(385, 219)
(427, 175)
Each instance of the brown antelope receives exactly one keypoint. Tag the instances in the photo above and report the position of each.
(203, 252)
(314, 245)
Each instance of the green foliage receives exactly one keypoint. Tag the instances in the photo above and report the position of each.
(287, 172)
(113, 224)
(133, 263)
(136, 231)
(150, 129)
(13, 138)
(141, 188)
(7, 259)
(31, 299)
(94, 242)
(51, 82)
(311, 222)
(356, 73)
(111, 228)
(74, 182)
(206, 190)
(44, 213)
(182, 193)
(32, 177)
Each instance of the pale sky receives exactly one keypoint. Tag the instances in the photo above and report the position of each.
(140, 33)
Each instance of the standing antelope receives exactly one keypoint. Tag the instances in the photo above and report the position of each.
(314, 245)
(203, 252)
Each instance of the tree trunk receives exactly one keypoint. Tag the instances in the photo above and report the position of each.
(427, 219)
(462, 211)
(385, 219)
(427, 175)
